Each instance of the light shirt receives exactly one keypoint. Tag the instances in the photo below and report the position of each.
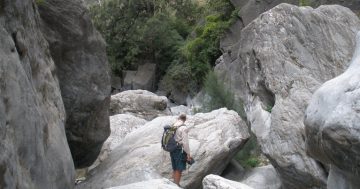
(181, 135)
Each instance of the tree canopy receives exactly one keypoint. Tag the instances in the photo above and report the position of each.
(185, 33)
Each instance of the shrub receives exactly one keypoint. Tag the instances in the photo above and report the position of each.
(304, 3)
(202, 50)
(178, 78)
(39, 2)
(220, 96)
(140, 30)
(248, 156)
(252, 162)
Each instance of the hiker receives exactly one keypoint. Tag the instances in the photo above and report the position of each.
(181, 155)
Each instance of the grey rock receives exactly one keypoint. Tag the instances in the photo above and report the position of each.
(33, 149)
(140, 103)
(283, 57)
(143, 78)
(128, 79)
(177, 110)
(217, 182)
(214, 139)
(120, 125)
(150, 184)
(251, 9)
(79, 53)
(332, 125)
(233, 171)
(354, 5)
(264, 177)
(178, 96)
(116, 84)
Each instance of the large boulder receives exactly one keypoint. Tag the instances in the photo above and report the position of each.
(140, 103)
(150, 184)
(217, 182)
(33, 149)
(333, 126)
(120, 125)
(177, 110)
(81, 64)
(143, 78)
(264, 177)
(251, 9)
(283, 57)
(214, 139)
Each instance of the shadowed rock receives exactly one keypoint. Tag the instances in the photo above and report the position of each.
(79, 54)
(33, 149)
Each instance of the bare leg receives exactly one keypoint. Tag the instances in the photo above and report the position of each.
(177, 177)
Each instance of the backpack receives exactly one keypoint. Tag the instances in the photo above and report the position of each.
(168, 142)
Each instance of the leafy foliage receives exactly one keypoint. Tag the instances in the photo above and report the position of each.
(39, 2)
(248, 157)
(220, 96)
(164, 32)
(178, 78)
(137, 31)
(203, 50)
(304, 3)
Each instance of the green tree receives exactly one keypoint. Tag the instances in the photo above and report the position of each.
(220, 96)
(138, 31)
(202, 51)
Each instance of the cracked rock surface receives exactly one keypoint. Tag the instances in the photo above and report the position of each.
(283, 57)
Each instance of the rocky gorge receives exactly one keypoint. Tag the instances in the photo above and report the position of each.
(296, 70)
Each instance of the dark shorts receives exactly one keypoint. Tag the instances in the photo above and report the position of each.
(178, 159)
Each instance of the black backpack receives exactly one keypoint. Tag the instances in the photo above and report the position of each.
(168, 142)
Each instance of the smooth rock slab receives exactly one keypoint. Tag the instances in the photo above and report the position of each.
(333, 125)
(264, 177)
(217, 182)
(215, 138)
(120, 125)
(150, 184)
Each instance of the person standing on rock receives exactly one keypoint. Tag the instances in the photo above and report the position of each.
(181, 155)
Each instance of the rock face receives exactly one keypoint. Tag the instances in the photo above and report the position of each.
(214, 139)
(81, 64)
(140, 103)
(33, 149)
(251, 9)
(217, 182)
(150, 184)
(333, 125)
(283, 57)
(116, 84)
(177, 110)
(90, 3)
(120, 125)
(262, 178)
(143, 78)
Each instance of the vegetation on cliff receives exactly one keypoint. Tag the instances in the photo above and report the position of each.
(172, 34)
